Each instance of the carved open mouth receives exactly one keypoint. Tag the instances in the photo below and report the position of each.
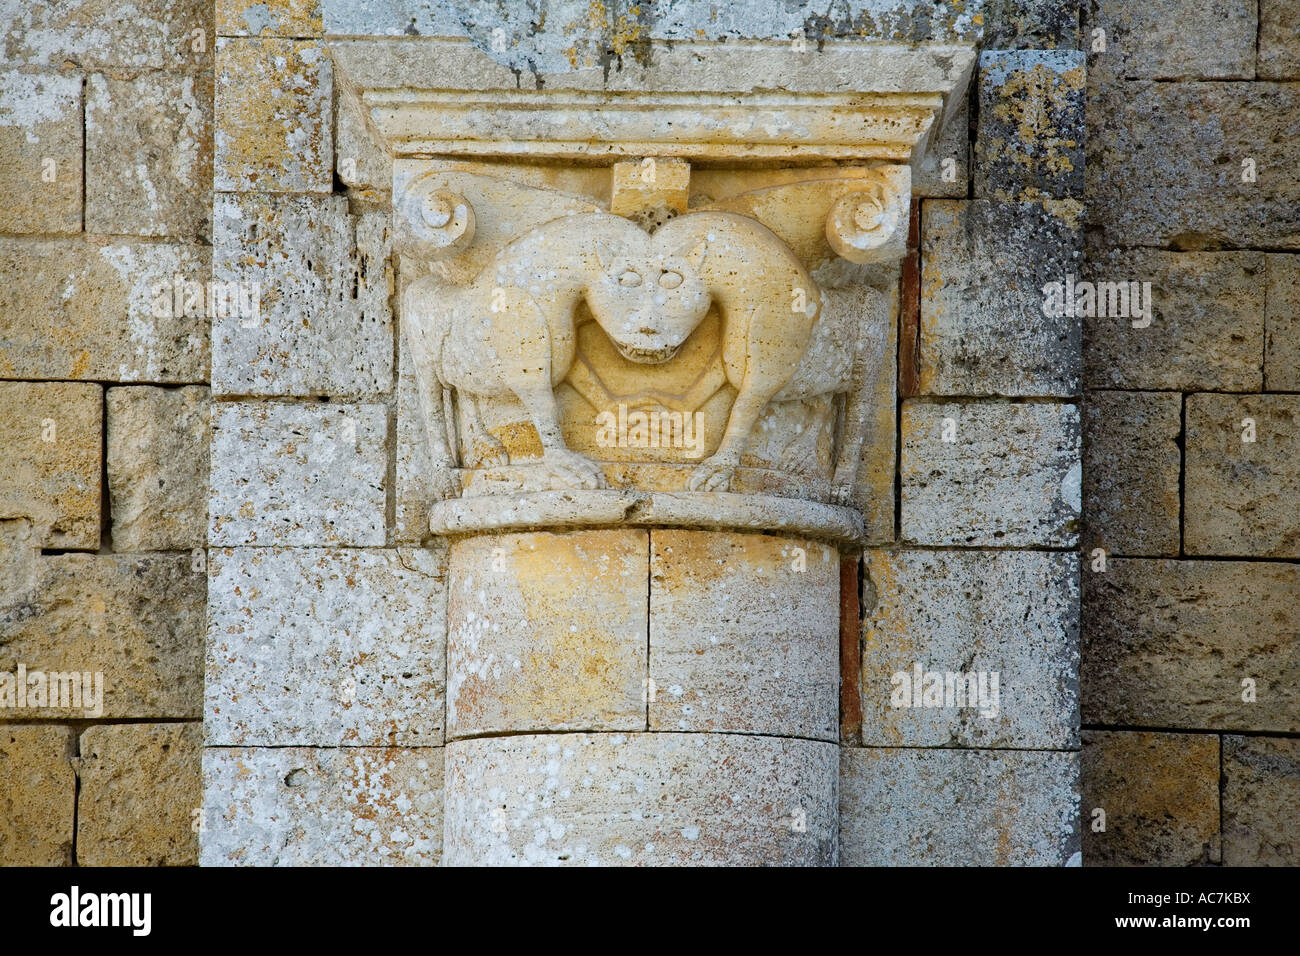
(647, 356)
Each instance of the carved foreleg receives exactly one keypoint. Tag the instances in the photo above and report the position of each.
(716, 472)
(424, 344)
(857, 426)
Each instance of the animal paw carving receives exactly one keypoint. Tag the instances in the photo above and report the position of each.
(714, 475)
(444, 484)
(568, 469)
(487, 452)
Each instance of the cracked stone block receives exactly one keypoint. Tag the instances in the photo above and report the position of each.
(1158, 797)
(51, 436)
(158, 467)
(1174, 39)
(1201, 322)
(641, 799)
(984, 326)
(1261, 789)
(1004, 625)
(547, 632)
(140, 788)
(1132, 466)
(309, 475)
(933, 807)
(1030, 141)
(39, 798)
(744, 634)
(1009, 477)
(1197, 645)
(41, 141)
(321, 282)
(273, 116)
(320, 647)
(1180, 185)
(108, 34)
(123, 631)
(1282, 322)
(307, 806)
(1240, 494)
(149, 155)
(105, 311)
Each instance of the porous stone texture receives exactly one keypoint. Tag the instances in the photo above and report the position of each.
(136, 619)
(102, 310)
(41, 140)
(744, 634)
(1174, 39)
(149, 155)
(414, 491)
(1011, 477)
(1241, 495)
(273, 130)
(1030, 141)
(323, 325)
(547, 632)
(1282, 324)
(140, 789)
(932, 807)
(290, 18)
(1132, 465)
(1152, 182)
(1202, 325)
(1030, 24)
(158, 467)
(1170, 643)
(357, 634)
(301, 806)
(1009, 617)
(108, 34)
(935, 176)
(50, 433)
(297, 475)
(641, 799)
(1279, 41)
(1261, 789)
(1159, 794)
(984, 329)
(361, 162)
(38, 801)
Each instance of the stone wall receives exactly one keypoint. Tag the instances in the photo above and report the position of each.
(137, 150)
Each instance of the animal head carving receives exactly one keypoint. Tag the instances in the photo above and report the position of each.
(647, 302)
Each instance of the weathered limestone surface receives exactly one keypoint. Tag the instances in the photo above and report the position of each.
(1282, 324)
(140, 787)
(1030, 143)
(108, 34)
(300, 806)
(641, 799)
(1031, 24)
(1241, 495)
(1205, 325)
(1011, 477)
(1174, 39)
(1011, 615)
(744, 634)
(273, 130)
(101, 310)
(357, 634)
(297, 475)
(958, 807)
(1152, 182)
(1261, 790)
(158, 467)
(1279, 41)
(1160, 796)
(1132, 464)
(149, 155)
(289, 18)
(38, 800)
(137, 619)
(547, 632)
(322, 279)
(50, 433)
(41, 141)
(983, 326)
(935, 179)
(1169, 644)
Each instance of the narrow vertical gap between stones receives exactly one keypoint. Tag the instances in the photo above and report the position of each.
(76, 788)
(1182, 479)
(649, 583)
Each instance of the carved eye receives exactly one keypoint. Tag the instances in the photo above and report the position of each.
(630, 278)
(670, 280)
